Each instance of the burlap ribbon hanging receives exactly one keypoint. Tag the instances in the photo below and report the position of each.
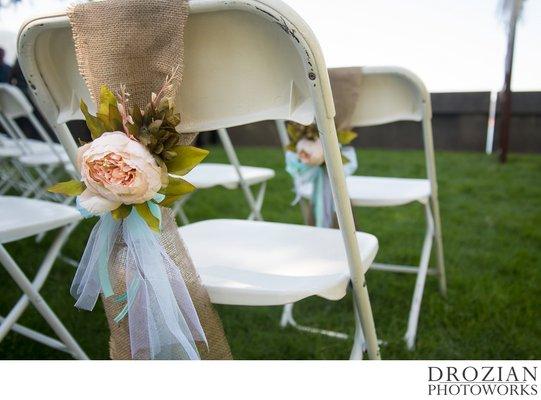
(346, 89)
(138, 43)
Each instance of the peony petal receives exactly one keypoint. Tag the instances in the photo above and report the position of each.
(95, 204)
(80, 154)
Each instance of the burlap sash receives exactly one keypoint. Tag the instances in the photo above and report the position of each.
(138, 43)
(346, 88)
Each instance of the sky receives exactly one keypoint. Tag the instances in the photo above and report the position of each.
(453, 45)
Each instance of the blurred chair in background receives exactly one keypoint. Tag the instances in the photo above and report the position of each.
(230, 176)
(390, 94)
(22, 218)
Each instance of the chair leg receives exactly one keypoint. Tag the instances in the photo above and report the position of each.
(258, 204)
(359, 345)
(415, 309)
(287, 315)
(234, 161)
(42, 274)
(287, 319)
(333, 159)
(42, 307)
(178, 209)
(439, 246)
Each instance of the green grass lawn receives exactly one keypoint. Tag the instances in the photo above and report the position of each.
(492, 236)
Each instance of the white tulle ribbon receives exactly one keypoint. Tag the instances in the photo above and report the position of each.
(163, 322)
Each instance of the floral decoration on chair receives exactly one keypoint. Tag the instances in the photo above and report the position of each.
(305, 162)
(134, 165)
(134, 160)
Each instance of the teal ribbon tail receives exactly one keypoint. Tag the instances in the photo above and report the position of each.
(103, 272)
(315, 177)
(155, 210)
(317, 199)
(128, 297)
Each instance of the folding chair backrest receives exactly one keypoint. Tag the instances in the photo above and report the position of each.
(390, 94)
(14, 104)
(242, 64)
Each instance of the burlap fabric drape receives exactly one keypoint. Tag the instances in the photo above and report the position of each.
(346, 88)
(138, 43)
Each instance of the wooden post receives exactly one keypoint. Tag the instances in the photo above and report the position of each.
(505, 99)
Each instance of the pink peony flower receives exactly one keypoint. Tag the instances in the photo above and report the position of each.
(310, 151)
(116, 170)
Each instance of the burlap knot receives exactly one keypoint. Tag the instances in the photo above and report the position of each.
(138, 43)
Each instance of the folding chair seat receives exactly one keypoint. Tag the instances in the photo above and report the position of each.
(372, 191)
(241, 269)
(22, 218)
(45, 158)
(280, 75)
(10, 151)
(208, 175)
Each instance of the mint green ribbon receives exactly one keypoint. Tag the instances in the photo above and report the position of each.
(304, 174)
(103, 270)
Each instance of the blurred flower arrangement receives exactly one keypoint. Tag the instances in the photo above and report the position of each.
(305, 162)
(134, 160)
(304, 141)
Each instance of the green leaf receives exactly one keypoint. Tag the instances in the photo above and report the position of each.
(177, 187)
(345, 137)
(107, 99)
(95, 125)
(145, 213)
(169, 200)
(291, 147)
(345, 160)
(133, 130)
(115, 119)
(69, 188)
(121, 212)
(294, 133)
(165, 104)
(137, 117)
(112, 121)
(187, 157)
(173, 120)
(154, 126)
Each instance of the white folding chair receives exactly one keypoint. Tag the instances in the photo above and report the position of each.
(230, 176)
(275, 70)
(12, 174)
(45, 158)
(22, 218)
(390, 94)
